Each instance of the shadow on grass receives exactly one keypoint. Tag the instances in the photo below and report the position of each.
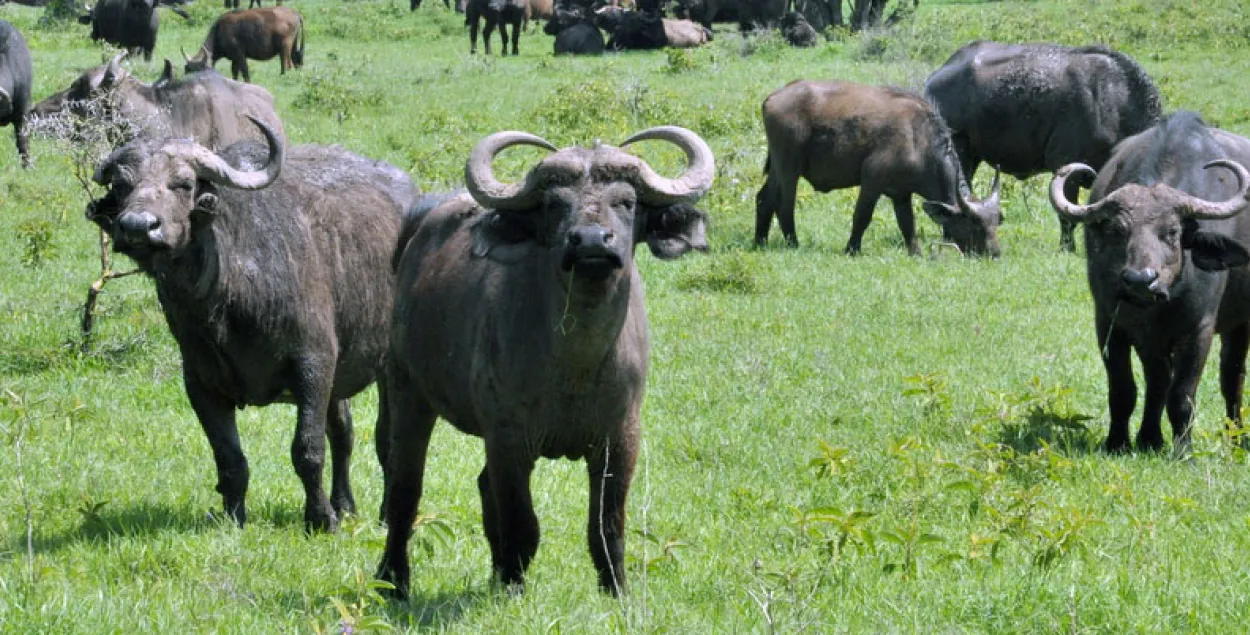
(439, 609)
(104, 522)
(1064, 432)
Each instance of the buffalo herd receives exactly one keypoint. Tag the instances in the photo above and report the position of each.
(515, 311)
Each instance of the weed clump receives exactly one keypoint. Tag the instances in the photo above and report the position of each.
(733, 273)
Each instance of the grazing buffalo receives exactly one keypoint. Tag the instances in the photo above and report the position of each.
(275, 282)
(1032, 108)
(575, 33)
(520, 319)
(886, 141)
(259, 34)
(16, 75)
(205, 106)
(1166, 258)
(496, 13)
(130, 24)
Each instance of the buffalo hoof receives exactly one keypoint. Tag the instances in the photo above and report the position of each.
(398, 581)
(324, 521)
(344, 505)
(1151, 443)
(1116, 445)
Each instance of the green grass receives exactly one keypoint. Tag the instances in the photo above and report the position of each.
(875, 444)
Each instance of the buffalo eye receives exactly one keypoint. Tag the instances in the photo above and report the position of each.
(182, 186)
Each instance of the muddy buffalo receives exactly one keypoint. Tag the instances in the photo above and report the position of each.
(520, 319)
(888, 142)
(273, 271)
(1033, 108)
(1165, 238)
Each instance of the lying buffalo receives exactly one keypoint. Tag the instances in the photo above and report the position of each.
(683, 34)
(636, 31)
(130, 24)
(205, 106)
(496, 13)
(575, 33)
(1032, 108)
(275, 282)
(1165, 238)
(16, 76)
(259, 34)
(521, 320)
(886, 141)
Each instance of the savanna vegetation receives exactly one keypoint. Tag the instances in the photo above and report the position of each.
(881, 443)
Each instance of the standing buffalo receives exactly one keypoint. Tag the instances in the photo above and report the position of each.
(130, 24)
(749, 14)
(500, 13)
(886, 141)
(205, 106)
(276, 284)
(16, 75)
(252, 4)
(575, 33)
(1032, 108)
(1166, 259)
(520, 319)
(259, 34)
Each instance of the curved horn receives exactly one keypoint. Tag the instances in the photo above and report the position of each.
(211, 167)
(185, 57)
(1195, 207)
(113, 71)
(479, 177)
(693, 183)
(1062, 205)
(4, 96)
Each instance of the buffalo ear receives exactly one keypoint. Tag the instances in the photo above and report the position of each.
(672, 231)
(1214, 252)
(206, 198)
(504, 237)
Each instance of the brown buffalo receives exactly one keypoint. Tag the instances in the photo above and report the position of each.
(275, 281)
(258, 34)
(888, 142)
(520, 318)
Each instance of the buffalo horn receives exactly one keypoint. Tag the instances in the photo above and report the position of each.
(1198, 208)
(113, 71)
(4, 96)
(480, 179)
(185, 57)
(1062, 205)
(211, 167)
(693, 183)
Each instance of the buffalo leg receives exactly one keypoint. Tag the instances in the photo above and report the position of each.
(308, 448)
(486, 34)
(906, 218)
(1186, 372)
(217, 419)
(341, 433)
(610, 474)
(503, 38)
(776, 198)
(473, 24)
(765, 208)
(411, 423)
(516, 36)
(863, 215)
(382, 440)
(1157, 370)
(508, 507)
(22, 137)
(1234, 345)
(1121, 390)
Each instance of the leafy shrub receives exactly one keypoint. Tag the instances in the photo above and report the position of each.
(334, 96)
(734, 272)
(37, 241)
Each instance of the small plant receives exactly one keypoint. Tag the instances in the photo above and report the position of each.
(910, 539)
(831, 461)
(1065, 537)
(931, 390)
(848, 529)
(357, 613)
(667, 549)
(37, 241)
(734, 272)
(680, 61)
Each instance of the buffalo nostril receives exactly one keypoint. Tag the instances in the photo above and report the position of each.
(1139, 277)
(608, 239)
(575, 238)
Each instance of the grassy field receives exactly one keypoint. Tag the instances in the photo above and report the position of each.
(876, 444)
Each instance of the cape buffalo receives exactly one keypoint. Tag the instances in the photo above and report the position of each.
(130, 24)
(204, 106)
(749, 14)
(886, 141)
(251, 4)
(259, 34)
(1032, 108)
(683, 34)
(501, 13)
(16, 75)
(275, 282)
(637, 31)
(520, 319)
(797, 31)
(1166, 259)
(575, 33)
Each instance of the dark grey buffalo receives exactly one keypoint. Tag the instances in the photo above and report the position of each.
(16, 75)
(274, 276)
(749, 14)
(204, 106)
(575, 33)
(130, 24)
(520, 319)
(1030, 108)
(888, 142)
(496, 13)
(1165, 238)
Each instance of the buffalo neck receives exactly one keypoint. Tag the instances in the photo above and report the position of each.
(585, 317)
